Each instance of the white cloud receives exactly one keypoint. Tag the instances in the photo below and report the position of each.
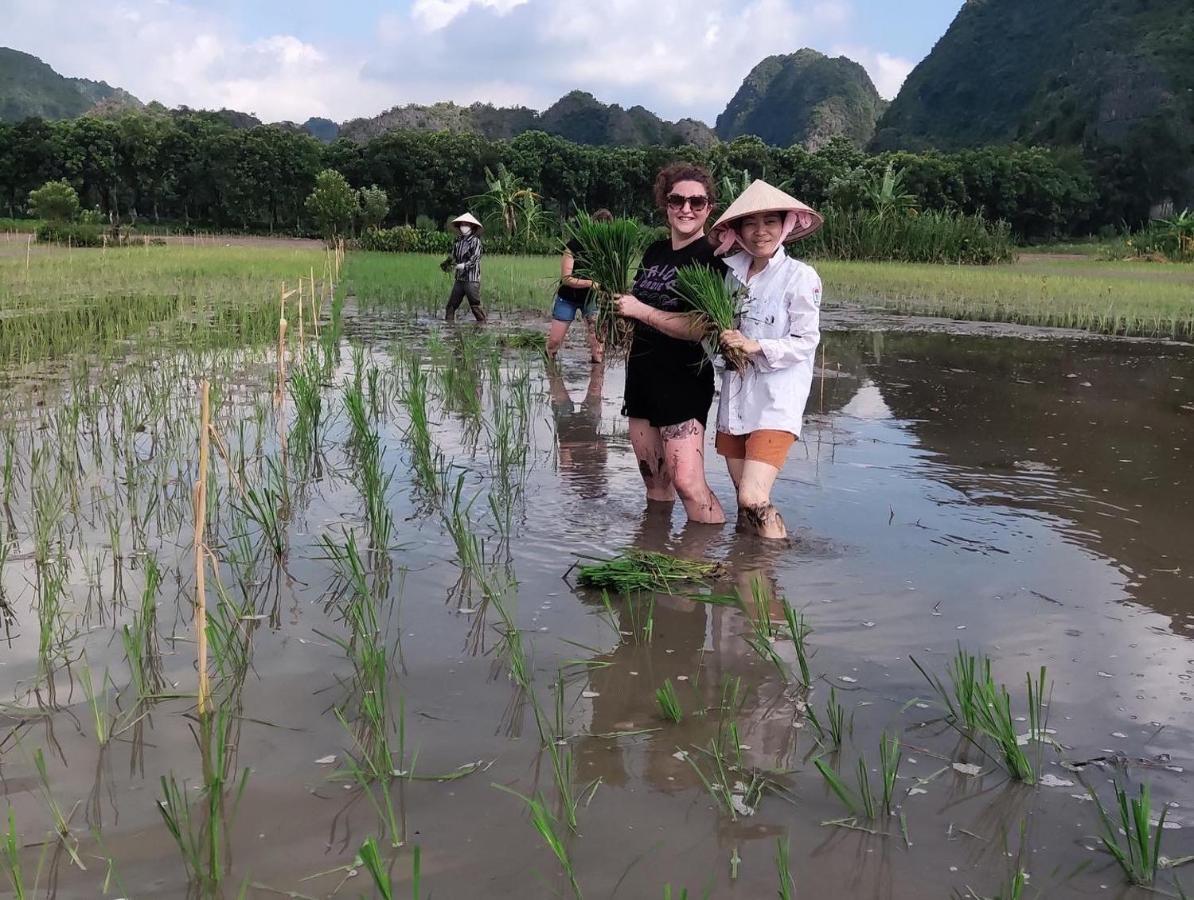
(432, 15)
(676, 58)
(888, 72)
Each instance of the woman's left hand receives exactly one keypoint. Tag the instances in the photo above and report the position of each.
(736, 340)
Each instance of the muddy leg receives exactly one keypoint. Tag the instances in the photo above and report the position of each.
(648, 449)
(684, 450)
(754, 499)
(555, 337)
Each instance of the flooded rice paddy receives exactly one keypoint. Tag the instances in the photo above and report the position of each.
(399, 649)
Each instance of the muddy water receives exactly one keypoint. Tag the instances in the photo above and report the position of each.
(1028, 499)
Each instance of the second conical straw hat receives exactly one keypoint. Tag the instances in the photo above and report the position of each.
(467, 219)
(762, 197)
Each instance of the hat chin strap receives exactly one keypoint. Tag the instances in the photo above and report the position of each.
(793, 220)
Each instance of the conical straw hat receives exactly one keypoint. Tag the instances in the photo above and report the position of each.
(761, 197)
(466, 219)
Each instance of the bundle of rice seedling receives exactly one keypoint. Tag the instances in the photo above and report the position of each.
(716, 306)
(609, 256)
(643, 570)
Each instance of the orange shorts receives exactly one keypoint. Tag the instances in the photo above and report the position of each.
(765, 445)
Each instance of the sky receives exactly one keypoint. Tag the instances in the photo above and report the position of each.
(292, 59)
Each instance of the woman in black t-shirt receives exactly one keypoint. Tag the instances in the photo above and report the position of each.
(575, 295)
(669, 381)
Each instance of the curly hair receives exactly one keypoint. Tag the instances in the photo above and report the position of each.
(671, 175)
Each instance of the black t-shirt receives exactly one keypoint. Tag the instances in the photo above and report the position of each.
(654, 285)
(579, 296)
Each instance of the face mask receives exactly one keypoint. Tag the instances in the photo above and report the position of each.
(466, 230)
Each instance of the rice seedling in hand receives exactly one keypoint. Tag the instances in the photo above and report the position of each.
(609, 255)
(669, 702)
(644, 570)
(716, 305)
(1131, 837)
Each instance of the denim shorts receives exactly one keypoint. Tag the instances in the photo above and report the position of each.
(565, 310)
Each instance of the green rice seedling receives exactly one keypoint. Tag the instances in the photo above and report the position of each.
(425, 456)
(523, 340)
(736, 790)
(609, 255)
(200, 828)
(996, 722)
(10, 860)
(799, 630)
(783, 865)
(1131, 837)
(102, 715)
(844, 792)
(370, 857)
(549, 829)
(715, 306)
(641, 613)
(669, 702)
(644, 570)
(264, 504)
(967, 673)
(757, 607)
(981, 709)
(890, 757)
(306, 382)
(61, 821)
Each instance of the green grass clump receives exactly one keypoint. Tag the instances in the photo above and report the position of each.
(1132, 839)
(669, 702)
(609, 256)
(644, 570)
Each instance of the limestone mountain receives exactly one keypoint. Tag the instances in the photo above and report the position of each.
(804, 98)
(578, 117)
(1099, 72)
(29, 87)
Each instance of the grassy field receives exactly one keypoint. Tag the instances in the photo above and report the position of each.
(58, 300)
(62, 300)
(1135, 298)
(1146, 299)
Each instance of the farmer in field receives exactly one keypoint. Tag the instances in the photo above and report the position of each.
(669, 385)
(575, 295)
(761, 409)
(465, 264)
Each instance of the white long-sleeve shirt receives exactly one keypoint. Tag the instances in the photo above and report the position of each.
(782, 312)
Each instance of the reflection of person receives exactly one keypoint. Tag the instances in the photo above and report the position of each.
(575, 295)
(578, 432)
(761, 409)
(465, 263)
(669, 386)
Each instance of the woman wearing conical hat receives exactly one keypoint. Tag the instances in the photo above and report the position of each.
(465, 262)
(761, 408)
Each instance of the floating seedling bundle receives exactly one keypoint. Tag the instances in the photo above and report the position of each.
(643, 570)
(609, 255)
(716, 306)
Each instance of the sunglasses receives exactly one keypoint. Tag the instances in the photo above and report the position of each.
(677, 202)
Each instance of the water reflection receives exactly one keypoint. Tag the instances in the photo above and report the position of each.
(580, 441)
(1093, 437)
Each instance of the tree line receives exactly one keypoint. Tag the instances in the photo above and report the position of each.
(193, 169)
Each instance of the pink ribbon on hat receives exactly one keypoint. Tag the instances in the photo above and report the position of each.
(793, 220)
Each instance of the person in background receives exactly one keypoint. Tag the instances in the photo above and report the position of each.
(575, 295)
(669, 382)
(465, 263)
(761, 409)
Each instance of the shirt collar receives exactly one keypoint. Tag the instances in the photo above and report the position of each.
(739, 263)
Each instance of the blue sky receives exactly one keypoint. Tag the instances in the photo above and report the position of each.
(291, 60)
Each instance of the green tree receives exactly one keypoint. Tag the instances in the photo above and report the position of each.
(375, 206)
(54, 201)
(332, 204)
(506, 204)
